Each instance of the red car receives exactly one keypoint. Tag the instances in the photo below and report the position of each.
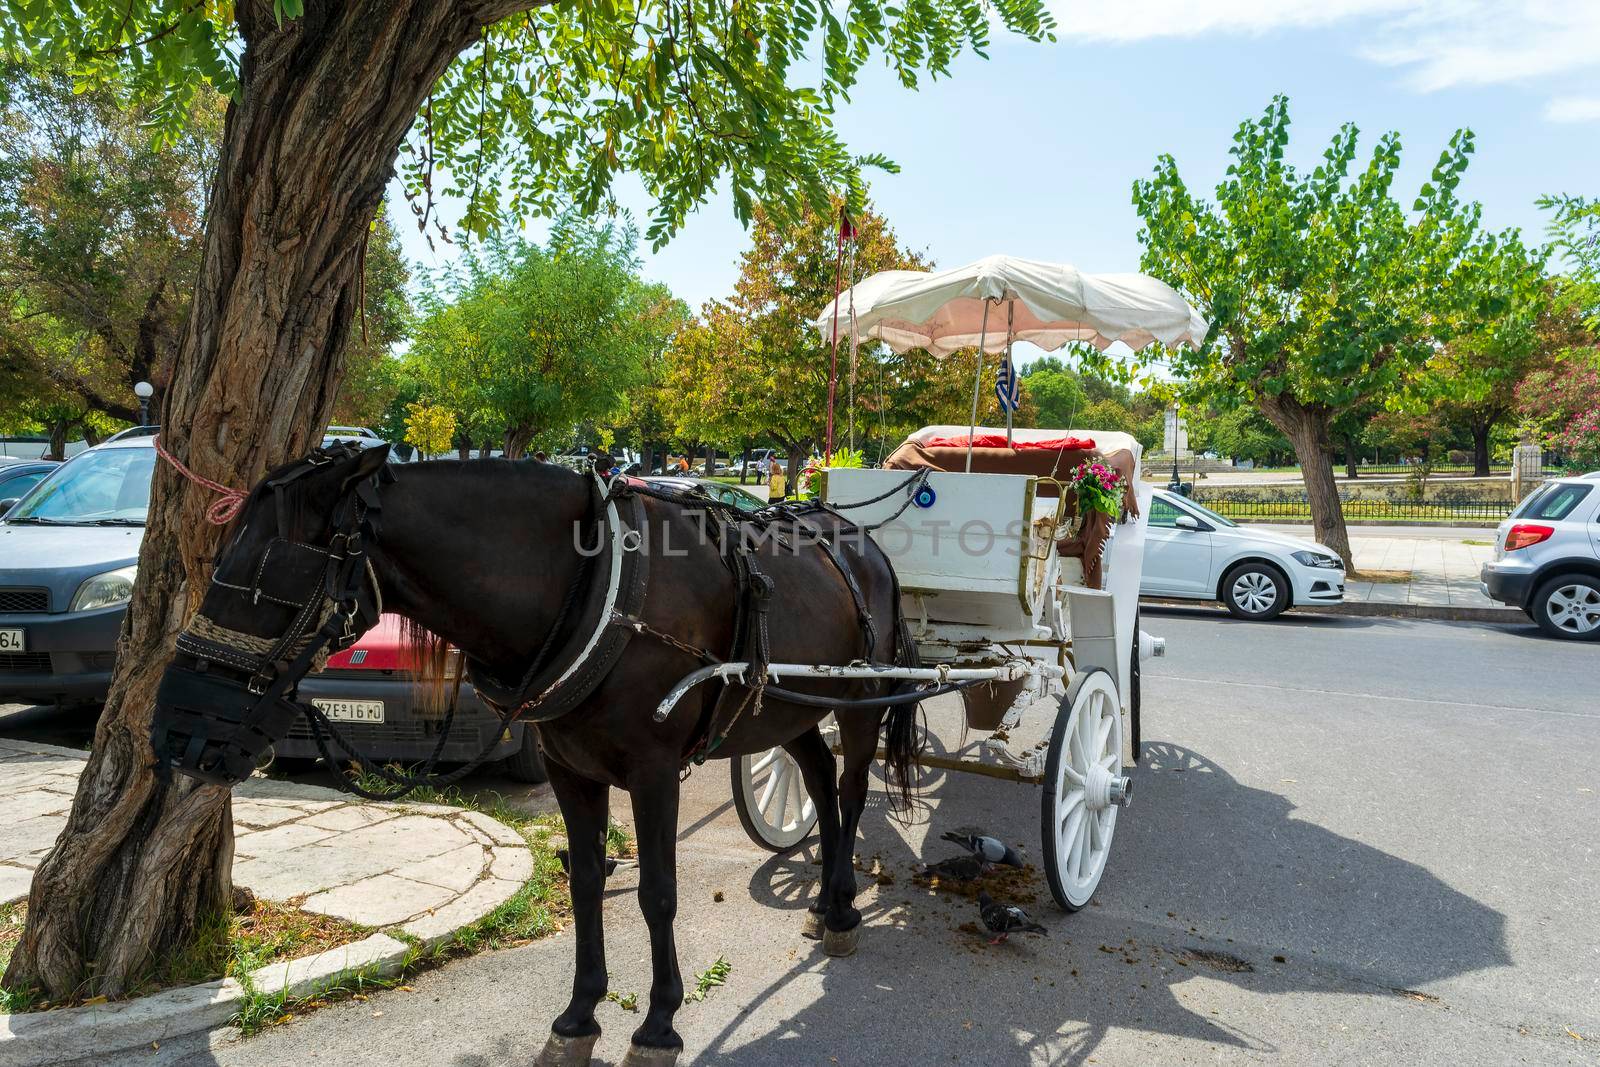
(369, 690)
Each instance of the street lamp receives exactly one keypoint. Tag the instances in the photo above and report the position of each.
(144, 391)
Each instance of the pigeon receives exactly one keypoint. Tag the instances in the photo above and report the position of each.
(988, 849)
(1005, 919)
(954, 869)
(566, 862)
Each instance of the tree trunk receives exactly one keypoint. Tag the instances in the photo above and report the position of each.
(463, 447)
(1307, 428)
(647, 457)
(58, 440)
(1351, 470)
(515, 441)
(309, 147)
(711, 460)
(1480, 449)
(744, 465)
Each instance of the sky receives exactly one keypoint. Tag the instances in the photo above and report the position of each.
(1033, 152)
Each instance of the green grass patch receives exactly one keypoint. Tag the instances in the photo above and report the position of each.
(224, 946)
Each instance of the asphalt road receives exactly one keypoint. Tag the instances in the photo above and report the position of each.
(1354, 841)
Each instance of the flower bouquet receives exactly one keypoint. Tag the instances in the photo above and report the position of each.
(1099, 489)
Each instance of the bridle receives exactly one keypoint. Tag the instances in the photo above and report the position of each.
(227, 696)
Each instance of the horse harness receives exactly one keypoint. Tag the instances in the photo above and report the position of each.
(233, 693)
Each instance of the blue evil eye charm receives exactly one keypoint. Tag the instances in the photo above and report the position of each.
(925, 497)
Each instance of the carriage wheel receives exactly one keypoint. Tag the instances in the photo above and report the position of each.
(770, 796)
(1083, 788)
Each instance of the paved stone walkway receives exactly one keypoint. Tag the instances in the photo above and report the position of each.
(1443, 565)
(425, 869)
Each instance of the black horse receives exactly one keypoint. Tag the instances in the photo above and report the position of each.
(515, 564)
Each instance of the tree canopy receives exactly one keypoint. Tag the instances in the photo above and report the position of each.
(522, 341)
(1324, 291)
(755, 366)
(555, 100)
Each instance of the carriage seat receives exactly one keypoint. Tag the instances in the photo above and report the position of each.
(1044, 458)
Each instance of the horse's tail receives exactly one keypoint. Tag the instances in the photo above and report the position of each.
(901, 747)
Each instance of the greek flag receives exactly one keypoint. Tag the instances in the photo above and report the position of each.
(1007, 386)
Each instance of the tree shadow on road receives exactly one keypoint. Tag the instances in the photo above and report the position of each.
(1208, 878)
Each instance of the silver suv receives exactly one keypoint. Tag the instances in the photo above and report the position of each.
(1547, 558)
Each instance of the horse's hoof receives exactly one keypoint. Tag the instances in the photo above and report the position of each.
(649, 1056)
(567, 1051)
(814, 927)
(842, 942)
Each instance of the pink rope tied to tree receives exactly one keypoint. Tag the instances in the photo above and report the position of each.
(221, 512)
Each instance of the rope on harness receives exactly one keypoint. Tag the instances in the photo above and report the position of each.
(221, 512)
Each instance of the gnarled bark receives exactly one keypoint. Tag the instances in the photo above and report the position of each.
(309, 146)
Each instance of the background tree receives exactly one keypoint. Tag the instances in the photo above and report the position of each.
(757, 366)
(374, 377)
(1052, 395)
(99, 239)
(1239, 432)
(1323, 293)
(529, 107)
(525, 341)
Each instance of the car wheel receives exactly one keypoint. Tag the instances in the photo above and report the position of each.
(1255, 591)
(1569, 606)
(526, 765)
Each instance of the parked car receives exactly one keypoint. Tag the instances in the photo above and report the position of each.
(723, 491)
(1547, 558)
(1193, 553)
(370, 690)
(68, 552)
(17, 476)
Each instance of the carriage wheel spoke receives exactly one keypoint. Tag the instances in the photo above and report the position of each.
(764, 762)
(1073, 775)
(1080, 849)
(1102, 735)
(1108, 761)
(782, 813)
(767, 793)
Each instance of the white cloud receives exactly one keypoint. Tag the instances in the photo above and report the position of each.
(1573, 109)
(1438, 44)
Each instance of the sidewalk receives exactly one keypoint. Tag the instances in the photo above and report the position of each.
(422, 870)
(1431, 568)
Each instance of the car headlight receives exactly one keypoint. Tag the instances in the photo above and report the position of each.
(104, 590)
(1318, 559)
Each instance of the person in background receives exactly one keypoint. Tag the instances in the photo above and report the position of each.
(541, 457)
(776, 483)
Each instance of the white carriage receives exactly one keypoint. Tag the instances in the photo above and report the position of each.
(988, 597)
(988, 594)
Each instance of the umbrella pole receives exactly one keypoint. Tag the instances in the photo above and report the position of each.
(1011, 368)
(977, 384)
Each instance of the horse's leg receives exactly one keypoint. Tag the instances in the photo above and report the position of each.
(817, 768)
(655, 814)
(858, 733)
(584, 807)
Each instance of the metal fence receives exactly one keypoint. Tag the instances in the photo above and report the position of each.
(1291, 508)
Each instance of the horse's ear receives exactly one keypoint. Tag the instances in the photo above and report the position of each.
(368, 463)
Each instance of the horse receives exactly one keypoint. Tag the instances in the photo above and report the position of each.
(525, 569)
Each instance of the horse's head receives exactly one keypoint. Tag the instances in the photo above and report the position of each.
(292, 583)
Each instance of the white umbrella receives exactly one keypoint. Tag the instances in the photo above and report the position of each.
(1049, 304)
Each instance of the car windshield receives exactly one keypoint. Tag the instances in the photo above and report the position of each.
(101, 487)
(1208, 513)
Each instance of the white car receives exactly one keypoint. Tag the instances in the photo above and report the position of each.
(1196, 554)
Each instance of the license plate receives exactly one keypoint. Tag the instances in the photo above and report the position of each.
(352, 710)
(13, 640)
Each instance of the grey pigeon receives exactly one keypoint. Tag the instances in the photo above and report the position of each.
(1005, 919)
(955, 869)
(988, 849)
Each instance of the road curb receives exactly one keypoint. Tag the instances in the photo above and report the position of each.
(94, 1031)
(1373, 609)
